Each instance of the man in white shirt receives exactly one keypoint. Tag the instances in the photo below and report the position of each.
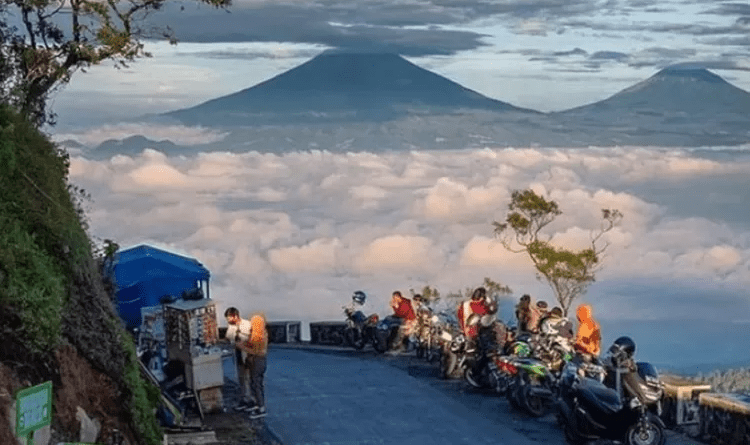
(238, 333)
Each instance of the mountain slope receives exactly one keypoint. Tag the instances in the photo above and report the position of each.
(682, 89)
(342, 87)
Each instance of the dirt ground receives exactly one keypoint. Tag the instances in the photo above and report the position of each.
(79, 385)
(238, 429)
(233, 428)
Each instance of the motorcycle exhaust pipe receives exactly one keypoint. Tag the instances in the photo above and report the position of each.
(540, 392)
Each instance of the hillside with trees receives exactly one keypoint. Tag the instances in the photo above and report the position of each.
(57, 317)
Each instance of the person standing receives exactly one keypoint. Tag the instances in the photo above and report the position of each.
(257, 354)
(238, 333)
(251, 338)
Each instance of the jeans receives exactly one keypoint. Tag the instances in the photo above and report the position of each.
(251, 379)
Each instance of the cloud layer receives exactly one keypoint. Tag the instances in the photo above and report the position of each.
(298, 233)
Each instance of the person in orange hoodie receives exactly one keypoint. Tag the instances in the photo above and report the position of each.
(257, 352)
(589, 338)
(251, 338)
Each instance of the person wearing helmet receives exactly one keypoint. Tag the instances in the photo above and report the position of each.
(621, 355)
(359, 297)
(589, 337)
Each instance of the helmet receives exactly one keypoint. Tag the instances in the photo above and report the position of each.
(623, 348)
(479, 293)
(359, 297)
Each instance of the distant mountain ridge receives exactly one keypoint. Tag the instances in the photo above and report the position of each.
(676, 89)
(380, 101)
(343, 86)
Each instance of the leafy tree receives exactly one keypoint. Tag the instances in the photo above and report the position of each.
(494, 289)
(45, 41)
(429, 293)
(568, 272)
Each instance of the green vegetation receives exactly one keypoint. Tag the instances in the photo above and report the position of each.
(495, 290)
(51, 290)
(568, 272)
(56, 38)
(40, 231)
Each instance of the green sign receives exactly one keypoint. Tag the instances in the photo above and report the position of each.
(33, 408)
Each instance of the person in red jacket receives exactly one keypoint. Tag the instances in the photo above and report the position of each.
(479, 304)
(403, 309)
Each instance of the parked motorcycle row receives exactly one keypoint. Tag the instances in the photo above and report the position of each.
(538, 373)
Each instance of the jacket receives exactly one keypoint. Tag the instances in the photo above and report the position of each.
(589, 337)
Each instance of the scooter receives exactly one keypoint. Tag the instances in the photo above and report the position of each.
(588, 409)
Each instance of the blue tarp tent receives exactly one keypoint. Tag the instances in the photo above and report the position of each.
(143, 274)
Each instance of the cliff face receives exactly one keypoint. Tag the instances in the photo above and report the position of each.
(57, 319)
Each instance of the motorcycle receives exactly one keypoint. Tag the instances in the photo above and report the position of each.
(426, 333)
(360, 329)
(386, 333)
(533, 387)
(486, 368)
(452, 352)
(588, 409)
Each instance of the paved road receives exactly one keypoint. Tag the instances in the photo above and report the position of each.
(329, 396)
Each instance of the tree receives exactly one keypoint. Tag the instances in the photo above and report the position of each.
(494, 289)
(45, 41)
(429, 293)
(568, 272)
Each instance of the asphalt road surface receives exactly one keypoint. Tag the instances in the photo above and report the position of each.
(338, 396)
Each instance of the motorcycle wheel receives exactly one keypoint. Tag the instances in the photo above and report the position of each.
(534, 405)
(469, 377)
(378, 344)
(420, 352)
(500, 383)
(571, 437)
(648, 432)
(510, 395)
(354, 339)
(448, 363)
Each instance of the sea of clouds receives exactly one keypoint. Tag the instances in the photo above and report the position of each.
(295, 234)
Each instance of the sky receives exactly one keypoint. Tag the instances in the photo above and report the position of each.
(547, 55)
(295, 234)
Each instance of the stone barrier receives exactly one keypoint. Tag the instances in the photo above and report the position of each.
(725, 418)
(327, 332)
(691, 407)
(681, 408)
(284, 331)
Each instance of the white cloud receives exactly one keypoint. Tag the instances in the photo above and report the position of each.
(397, 252)
(317, 225)
(317, 256)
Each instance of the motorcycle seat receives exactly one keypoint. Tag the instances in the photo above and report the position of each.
(595, 394)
